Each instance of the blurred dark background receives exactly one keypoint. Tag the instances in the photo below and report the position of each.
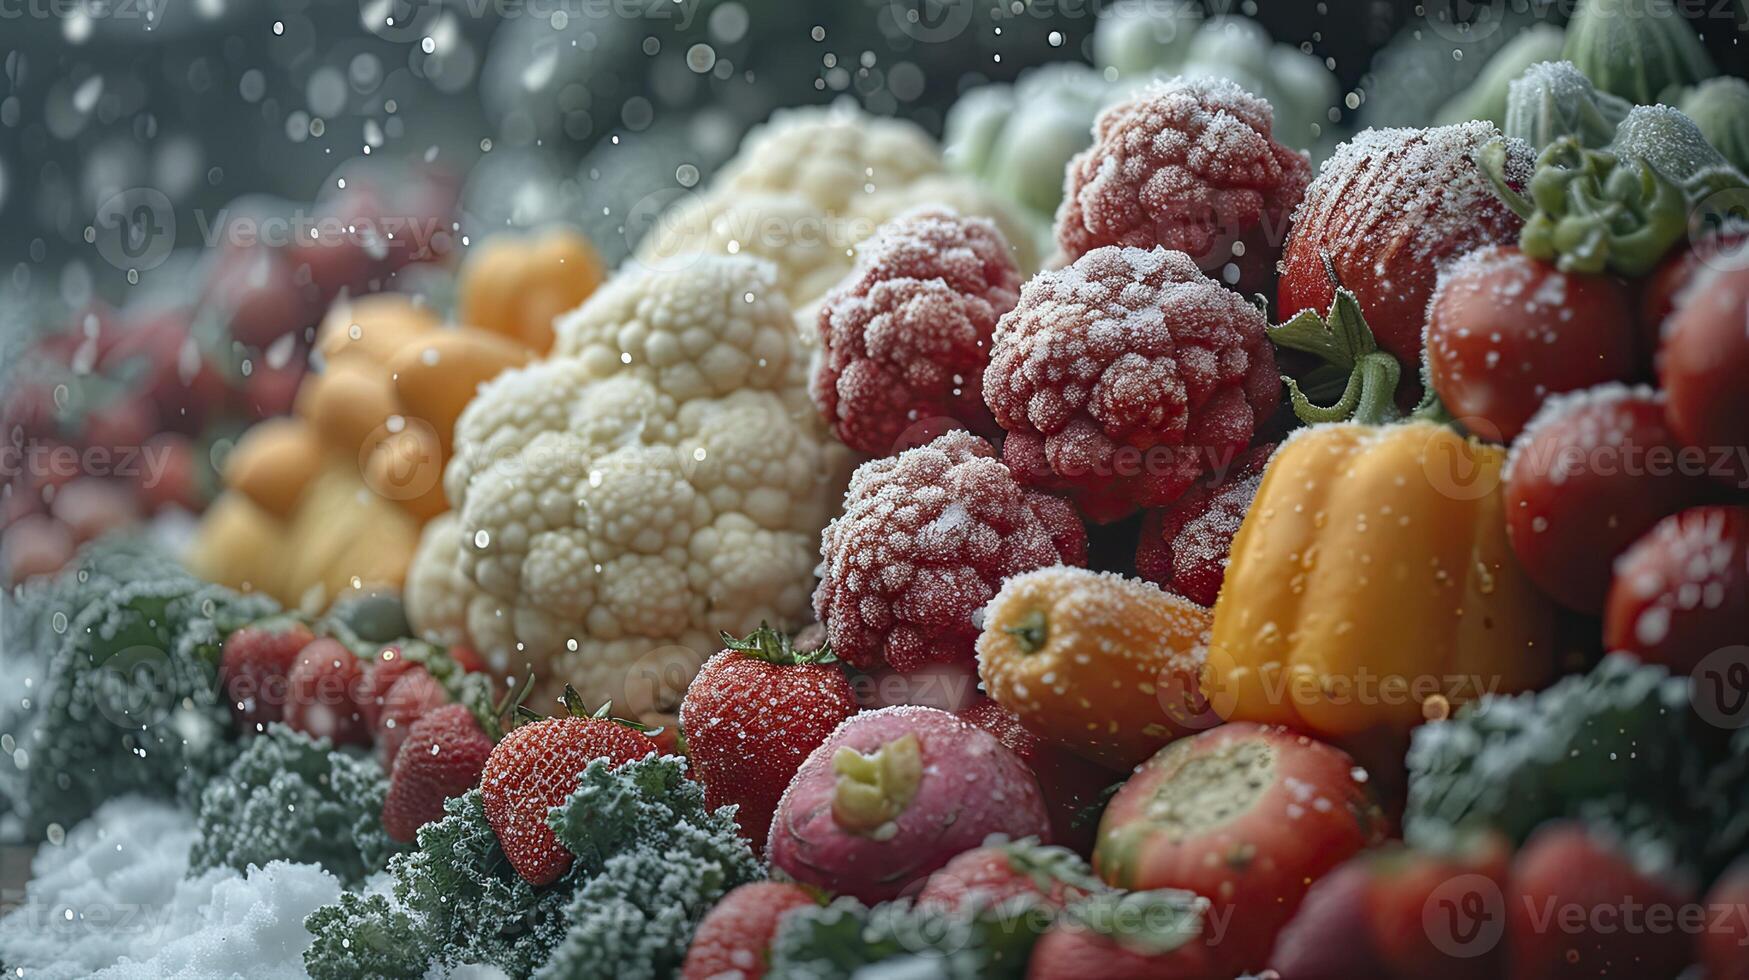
(544, 108)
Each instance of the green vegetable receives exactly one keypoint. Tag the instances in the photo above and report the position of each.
(1297, 85)
(121, 651)
(976, 941)
(290, 797)
(650, 859)
(1487, 97)
(1620, 208)
(1553, 99)
(1135, 37)
(1720, 107)
(1637, 49)
(1618, 746)
(1019, 139)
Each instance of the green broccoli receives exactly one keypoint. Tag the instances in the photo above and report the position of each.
(655, 860)
(1619, 746)
(122, 671)
(974, 941)
(291, 797)
(649, 860)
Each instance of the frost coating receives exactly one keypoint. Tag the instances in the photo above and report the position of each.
(907, 335)
(1126, 376)
(660, 478)
(925, 540)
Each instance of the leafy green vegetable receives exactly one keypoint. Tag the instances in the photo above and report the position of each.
(650, 859)
(1619, 746)
(293, 798)
(120, 652)
(971, 942)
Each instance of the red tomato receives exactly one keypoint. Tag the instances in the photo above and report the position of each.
(1245, 815)
(1068, 951)
(1682, 591)
(1660, 290)
(255, 291)
(1704, 368)
(1070, 786)
(1724, 944)
(34, 545)
(1591, 474)
(1505, 331)
(1578, 908)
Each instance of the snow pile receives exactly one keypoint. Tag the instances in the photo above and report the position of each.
(111, 902)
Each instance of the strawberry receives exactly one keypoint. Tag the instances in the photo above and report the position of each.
(535, 768)
(1073, 790)
(325, 682)
(751, 716)
(412, 697)
(387, 667)
(443, 755)
(736, 934)
(255, 670)
(1001, 871)
(467, 658)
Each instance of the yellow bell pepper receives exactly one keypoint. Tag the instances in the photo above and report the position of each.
(1371, 586)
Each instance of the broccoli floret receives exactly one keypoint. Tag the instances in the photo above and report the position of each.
(972, 942)
(125, 699)
(293, 798)
(1619, 746)
(650, 859)
(655, 860)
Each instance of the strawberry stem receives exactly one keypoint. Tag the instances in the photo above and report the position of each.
(776, 647)
(1342, 339)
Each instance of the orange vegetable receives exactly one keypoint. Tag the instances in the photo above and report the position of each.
(1104, 665)
(435, 376)
(274, 464)
(515, 286)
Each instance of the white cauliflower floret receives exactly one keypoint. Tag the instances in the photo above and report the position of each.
(805, 243)
(437, 591)
(662, 477)
(830, 156)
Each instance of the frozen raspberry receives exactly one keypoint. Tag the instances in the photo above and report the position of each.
(907, 333)
(1123, 377)
(1187, 165)
(1184, 548)
(1387, 209)
(925, 541)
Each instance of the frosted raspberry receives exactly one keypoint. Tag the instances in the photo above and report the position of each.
(925, 541)
(1187, 164)
(1387, 209)
(907, 333)
(1184, 548)
(1124, 376)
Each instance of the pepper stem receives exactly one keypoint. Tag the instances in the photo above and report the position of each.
(1030, 632)
(1342, 339)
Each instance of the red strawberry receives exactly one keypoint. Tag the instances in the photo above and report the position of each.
(535, 768)
(35, 544)
(735, 936)
(1580, 907)
(325, 682)
(1141, 936)
(1072, 789)
(255, 670)
(998, 872)
(412, 697)
(387, 667)
(1330, 937)
(751, 716)
(467, 658)
(1439, 916)
(443, 756)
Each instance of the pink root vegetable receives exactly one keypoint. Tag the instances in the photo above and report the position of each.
(893, 795)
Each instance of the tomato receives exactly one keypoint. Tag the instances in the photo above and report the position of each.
(1660, 290)
(254, 290)
(1724, 946)
(1591, 474)
(1245, 815)
(1703, 366)
(1681, 592)
(1578, 907)
(1505, 331)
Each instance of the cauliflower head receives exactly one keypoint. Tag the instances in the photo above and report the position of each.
(660, 478)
